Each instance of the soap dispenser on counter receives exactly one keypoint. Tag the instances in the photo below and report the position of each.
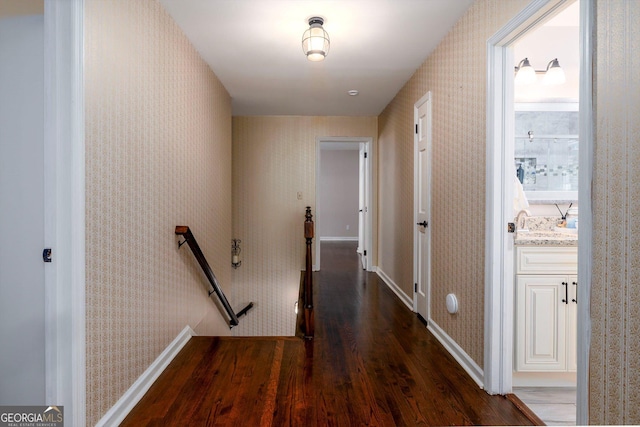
(572, 217)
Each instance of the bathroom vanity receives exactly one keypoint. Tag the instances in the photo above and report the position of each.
(546, 298)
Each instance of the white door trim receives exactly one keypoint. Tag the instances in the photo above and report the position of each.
(370, 214)
(585, 165)
(65, 205)
(499, 316)
(425, 98)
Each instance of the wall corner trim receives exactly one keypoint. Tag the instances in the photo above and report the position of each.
(134, 394)
(395, 288)
(457, 352)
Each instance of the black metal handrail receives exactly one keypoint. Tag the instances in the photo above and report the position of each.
(184, 231)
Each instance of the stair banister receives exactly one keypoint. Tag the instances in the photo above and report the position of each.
(184, 231)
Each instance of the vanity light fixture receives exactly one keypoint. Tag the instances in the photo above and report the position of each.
(526, 74)
(554, 74)
(315, 41)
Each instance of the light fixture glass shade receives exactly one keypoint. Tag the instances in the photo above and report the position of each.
(315, 41)
(554, 74)
(525, 74)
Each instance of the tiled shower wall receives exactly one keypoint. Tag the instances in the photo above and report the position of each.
(158, 154)
(614, 382)
(274, 158)
(455, 73)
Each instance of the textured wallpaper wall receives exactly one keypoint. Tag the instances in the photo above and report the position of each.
(21, 7)
(274, 158)
(158, 154)
(615, 298)
(455, 73)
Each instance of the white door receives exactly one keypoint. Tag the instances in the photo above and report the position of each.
(22, 303)
(422, 208)
(363, 208)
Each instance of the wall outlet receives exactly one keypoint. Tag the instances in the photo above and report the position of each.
(348, 227)
(299, 195)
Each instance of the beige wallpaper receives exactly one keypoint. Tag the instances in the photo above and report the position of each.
(615, 299)
(158, 154)
(455, 73)
(274, 158)
(21, 7)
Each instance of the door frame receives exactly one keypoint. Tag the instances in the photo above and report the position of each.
(499, 280)
(64, 168)
(363, 165)
(370, 214)
(426, 98)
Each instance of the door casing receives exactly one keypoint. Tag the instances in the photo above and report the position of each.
(65, 201)
(370, 214)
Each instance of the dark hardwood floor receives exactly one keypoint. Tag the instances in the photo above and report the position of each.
(372, 362)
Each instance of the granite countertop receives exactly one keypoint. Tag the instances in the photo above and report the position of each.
(542, 231)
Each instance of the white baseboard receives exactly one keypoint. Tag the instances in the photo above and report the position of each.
(395, 288)
(457, 352)
(544, 379)
(338, 239)
(131, 397)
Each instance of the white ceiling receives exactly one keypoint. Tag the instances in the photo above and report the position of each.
(254, 47)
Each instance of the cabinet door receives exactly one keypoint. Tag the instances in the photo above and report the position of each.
(541, 323)
(572, 325)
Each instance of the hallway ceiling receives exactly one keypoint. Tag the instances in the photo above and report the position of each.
(254, 47)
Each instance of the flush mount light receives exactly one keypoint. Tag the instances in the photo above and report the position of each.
(526, 75)
(353, 92)
(315, 41)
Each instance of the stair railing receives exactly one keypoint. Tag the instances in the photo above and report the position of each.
(309, 326)
(184, 231)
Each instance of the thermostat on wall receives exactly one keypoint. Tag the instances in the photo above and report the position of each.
(452, 303)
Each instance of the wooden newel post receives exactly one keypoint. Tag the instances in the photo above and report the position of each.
(308, 282)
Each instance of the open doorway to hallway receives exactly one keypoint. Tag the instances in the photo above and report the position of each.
(343, 194)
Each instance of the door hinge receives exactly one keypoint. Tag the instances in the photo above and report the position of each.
(365, 155)
(365, 253)
(416, 129)
(46, 255)
(415, 287)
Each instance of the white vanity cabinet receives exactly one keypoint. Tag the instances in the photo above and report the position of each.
(546, 308)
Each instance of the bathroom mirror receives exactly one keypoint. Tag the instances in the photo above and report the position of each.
(546, 150)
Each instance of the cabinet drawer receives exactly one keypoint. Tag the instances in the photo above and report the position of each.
(546, 260)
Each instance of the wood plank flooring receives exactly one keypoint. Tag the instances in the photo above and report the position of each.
(554, 405)
(372, 362)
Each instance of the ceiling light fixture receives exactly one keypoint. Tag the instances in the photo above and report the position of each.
(315, 41)
(353, 92)
(526, 75)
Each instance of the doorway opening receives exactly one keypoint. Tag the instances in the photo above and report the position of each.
(344, 208)
(513, 178)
